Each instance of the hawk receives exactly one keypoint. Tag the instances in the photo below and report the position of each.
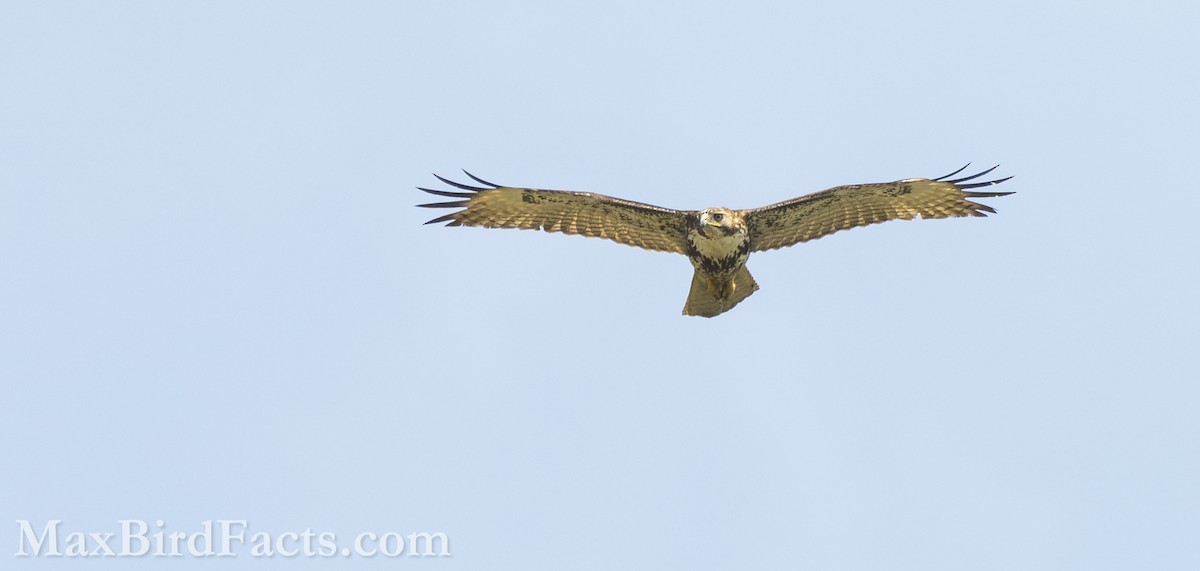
(716, 240)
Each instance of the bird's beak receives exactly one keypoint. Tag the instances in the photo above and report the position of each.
(708, 221)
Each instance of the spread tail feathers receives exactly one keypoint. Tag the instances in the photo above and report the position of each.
(710, 299)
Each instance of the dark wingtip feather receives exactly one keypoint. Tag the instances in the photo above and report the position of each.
(446, 218)
(969, 194)
(964, 167)
(972, 177)
(459, 184)
(451, 219)
(455, 204)
(986, 183)
(480, 181)
(448, 193)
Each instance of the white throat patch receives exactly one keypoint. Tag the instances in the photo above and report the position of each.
(717, 245)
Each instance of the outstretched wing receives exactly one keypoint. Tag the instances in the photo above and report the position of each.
(815, 215)
(584, 213)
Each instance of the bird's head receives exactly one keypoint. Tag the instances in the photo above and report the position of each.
(719, 222)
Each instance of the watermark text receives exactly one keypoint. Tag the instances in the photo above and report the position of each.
(218, 538)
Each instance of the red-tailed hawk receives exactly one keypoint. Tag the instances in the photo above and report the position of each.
(717, 240)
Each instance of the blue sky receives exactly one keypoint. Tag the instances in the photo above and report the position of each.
(218, 301)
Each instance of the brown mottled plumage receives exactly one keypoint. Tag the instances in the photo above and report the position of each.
(716, 240)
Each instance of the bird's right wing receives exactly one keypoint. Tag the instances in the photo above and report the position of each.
(584, 213)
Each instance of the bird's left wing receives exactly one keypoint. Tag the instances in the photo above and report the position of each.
(821, 213)
(584, 213)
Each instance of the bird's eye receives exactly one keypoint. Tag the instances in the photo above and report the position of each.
(718, 216)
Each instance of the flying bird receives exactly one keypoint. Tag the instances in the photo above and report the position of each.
(716, 240)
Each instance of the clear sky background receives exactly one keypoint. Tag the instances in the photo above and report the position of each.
(217, 300)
